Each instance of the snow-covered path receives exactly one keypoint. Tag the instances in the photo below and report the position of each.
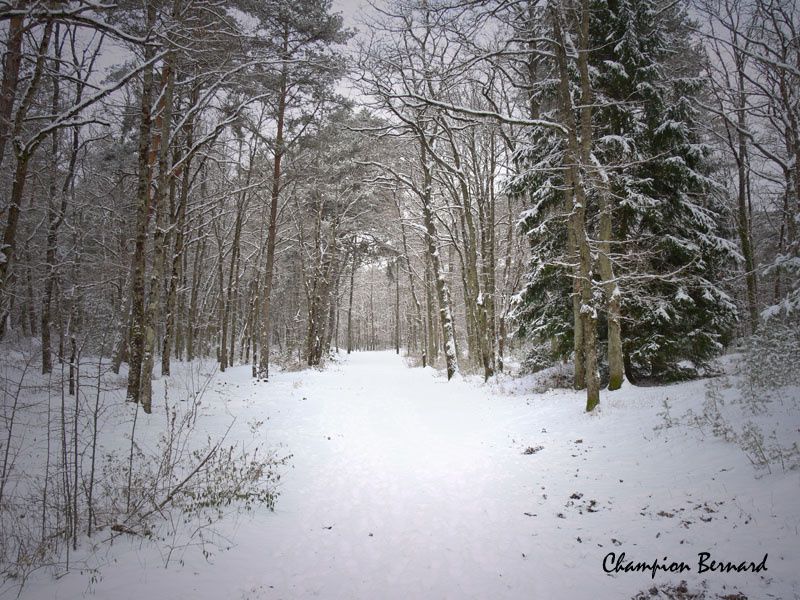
(404, 485)
(403, 468)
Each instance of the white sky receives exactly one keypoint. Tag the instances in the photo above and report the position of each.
(350, 9)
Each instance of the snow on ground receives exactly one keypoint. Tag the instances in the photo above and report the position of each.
(404, 485)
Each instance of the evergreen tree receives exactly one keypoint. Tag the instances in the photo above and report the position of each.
(542, 308)
(669, 246)
(669, 221)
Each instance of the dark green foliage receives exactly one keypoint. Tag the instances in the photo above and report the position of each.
(669, 245)
(668, 219)
(544, 307)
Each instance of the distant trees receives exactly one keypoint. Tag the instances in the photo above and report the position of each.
(333, 206)
(753, 58)
(303, 35)
(408, 58)
(415, 68)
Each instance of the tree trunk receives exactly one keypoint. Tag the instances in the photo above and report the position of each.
(350, 305)
(576, 156)
(178, 258)
(23, 155)
(191, 321)
(442, 293)
(136, 334)
(743, 221)
(432, 342)
(397, 306)
(12, 60)
(616, 372)
(54, 220)
(152, 313)
(272, 231)
(411, 287)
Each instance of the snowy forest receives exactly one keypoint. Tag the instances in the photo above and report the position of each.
(519, 216)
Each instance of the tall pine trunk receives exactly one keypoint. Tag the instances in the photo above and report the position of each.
(272, 231)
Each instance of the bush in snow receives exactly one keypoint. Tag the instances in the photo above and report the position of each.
(760, 408)
(80, 470)
(772, 361)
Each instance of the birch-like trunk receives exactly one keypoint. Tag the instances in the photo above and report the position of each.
(153, 311)
(440, 284)
(179, 246)
(136, 333)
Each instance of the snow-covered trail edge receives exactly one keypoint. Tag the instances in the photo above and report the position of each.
(404, 485)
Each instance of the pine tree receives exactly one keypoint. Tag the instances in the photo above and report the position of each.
(542, 308)
(669, 222)
(668, 243)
